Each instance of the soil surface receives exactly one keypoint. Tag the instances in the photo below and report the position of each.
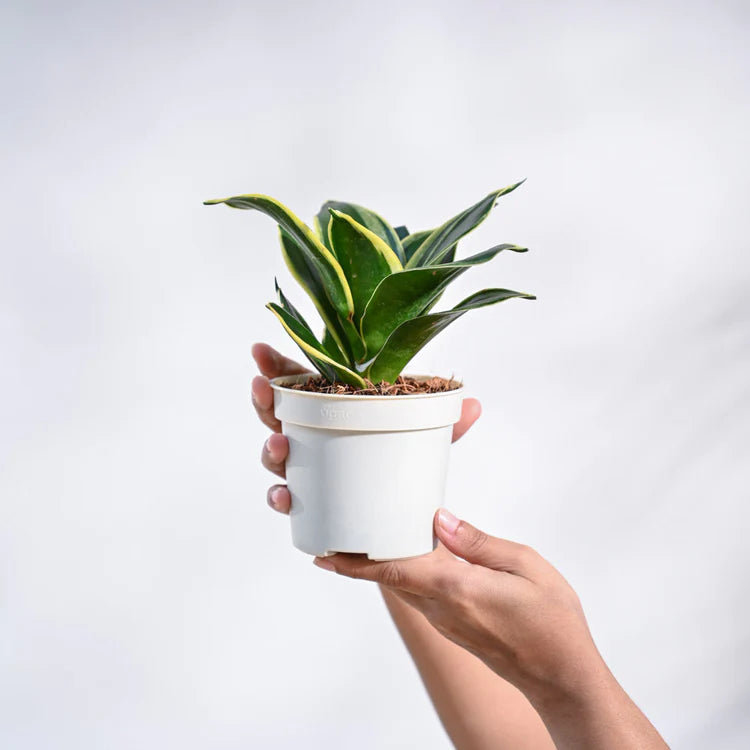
(402, 387)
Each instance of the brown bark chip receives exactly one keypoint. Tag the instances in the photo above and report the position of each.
(404, 386)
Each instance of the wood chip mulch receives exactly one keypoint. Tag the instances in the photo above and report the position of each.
(402, 387)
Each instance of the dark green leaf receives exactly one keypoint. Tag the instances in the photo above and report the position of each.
(412, 292)
(412, 242)
(401, 232)
(332, 348)
(364, 257)
(313, 350)
(367, 218)
(450, 256)
(320, 260)
(434, 248)
(344, 332)
(412, 335)
(305, 333)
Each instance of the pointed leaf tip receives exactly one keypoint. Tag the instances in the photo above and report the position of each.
(438, 243)
(413, 334)
(364, 217)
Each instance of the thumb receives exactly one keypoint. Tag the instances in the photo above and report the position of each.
(474, 546)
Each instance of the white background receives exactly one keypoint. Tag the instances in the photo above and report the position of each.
(149, 597)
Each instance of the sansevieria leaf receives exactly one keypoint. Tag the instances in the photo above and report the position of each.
(439, 242)
(343, 330)
(450, 256)
(375, 286)
(364, 216)
(305, 333)
(405, 295)
(365, 258)
(413, 334)
(326, 266)
(412, 242)
(332, 349)
(313, 350)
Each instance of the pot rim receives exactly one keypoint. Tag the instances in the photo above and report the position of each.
(280, 384)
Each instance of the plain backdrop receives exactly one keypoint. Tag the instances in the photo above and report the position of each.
(149, 597)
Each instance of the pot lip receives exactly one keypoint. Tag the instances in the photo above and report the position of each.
(280, 384)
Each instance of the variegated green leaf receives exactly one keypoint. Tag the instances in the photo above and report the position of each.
(413, 334)
(365, 258)
(305, 333)
(449, 257)
(434, 248)
(412, 242)
(343, 330)
(364, 216)
(401, 232)
(412, 292)
(332, 348)
(319, 256)
(314, 350)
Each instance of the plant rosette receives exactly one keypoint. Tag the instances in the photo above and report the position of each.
(367, 472)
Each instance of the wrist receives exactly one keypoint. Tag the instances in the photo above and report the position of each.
(583, 684)
(581, 693)
(590, 710)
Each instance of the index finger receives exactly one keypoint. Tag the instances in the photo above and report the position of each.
(274, 365)
(429, 575)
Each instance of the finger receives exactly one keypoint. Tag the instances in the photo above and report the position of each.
(474, 546)
(279, 498)
(471, 410)
(262, 397)
(272, 364)
(274, 454)
(429, 575)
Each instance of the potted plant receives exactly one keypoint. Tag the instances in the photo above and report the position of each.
(368, 446)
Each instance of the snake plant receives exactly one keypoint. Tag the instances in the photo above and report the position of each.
(374, 286)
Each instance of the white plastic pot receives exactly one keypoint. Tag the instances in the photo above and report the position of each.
(366, 473)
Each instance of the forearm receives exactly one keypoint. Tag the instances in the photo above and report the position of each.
(595, 714)
(478, 708)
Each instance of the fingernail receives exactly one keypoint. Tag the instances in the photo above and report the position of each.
(448, 521)
(267, 445)
(321, 562)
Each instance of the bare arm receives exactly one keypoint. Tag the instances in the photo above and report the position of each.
(498, 635)
(507, 605)
(478, 708)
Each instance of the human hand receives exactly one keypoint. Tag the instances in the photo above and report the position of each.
(276, 449)
(507, 605)
(498, 599)
(512, 609)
